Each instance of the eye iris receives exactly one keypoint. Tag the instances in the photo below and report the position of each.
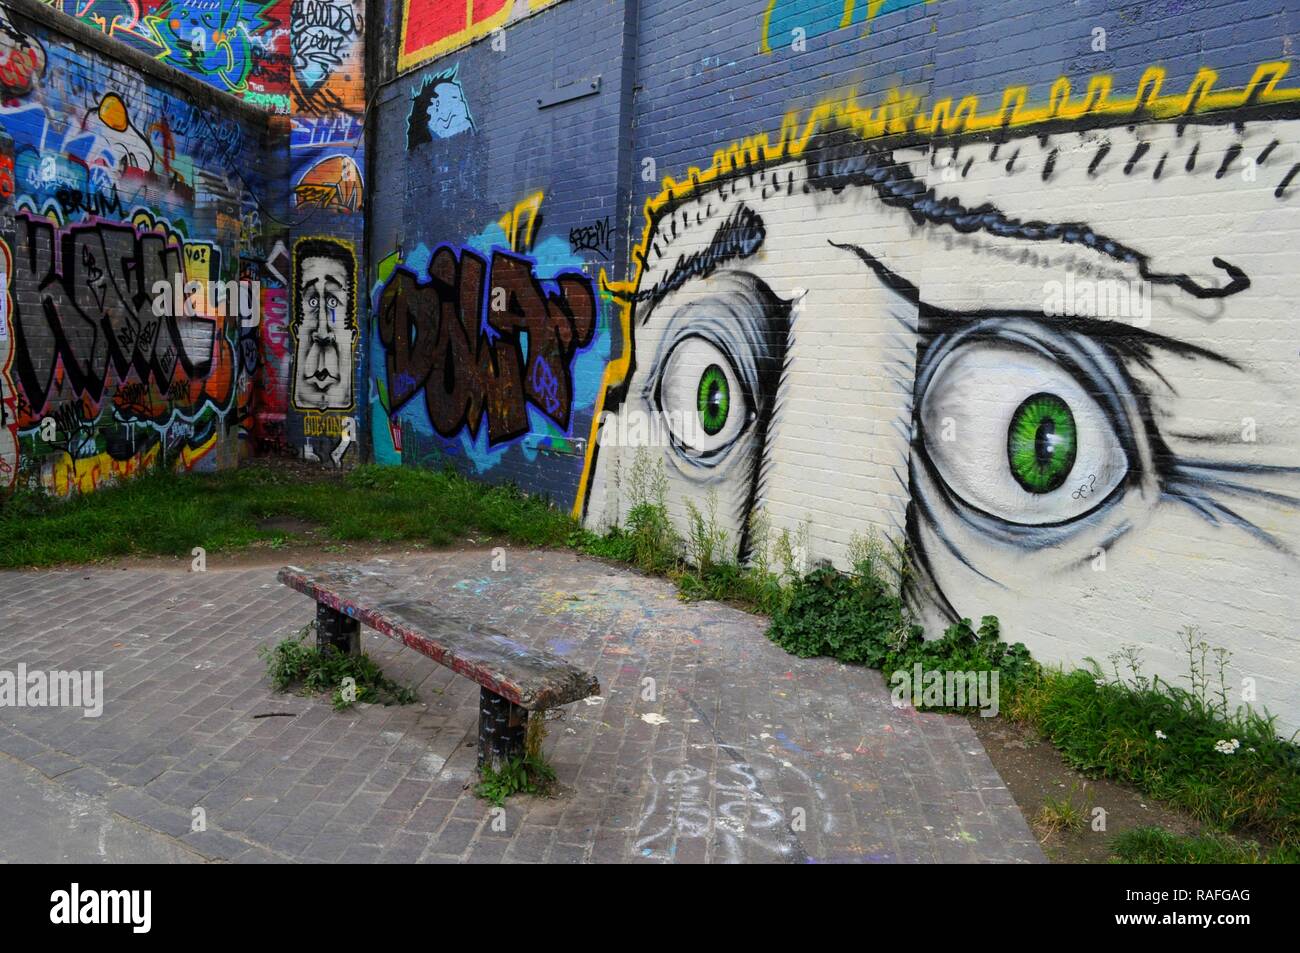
(713, 399)
(1042, 443)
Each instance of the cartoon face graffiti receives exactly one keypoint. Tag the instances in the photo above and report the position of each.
(438, 110)
(324, 327)
(118, 141)
(869, 338)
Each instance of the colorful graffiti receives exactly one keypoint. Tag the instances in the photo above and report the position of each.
(231, 44)
(22, 59)
(433, 27)
(119, 191)
(454, 334)
(324, 328)
(116, 366)
(333, 183)
(326, 45)
(488, 346)
(438, 109)
(98, 318)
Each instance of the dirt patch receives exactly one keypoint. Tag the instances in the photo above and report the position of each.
(288, 524)
(1034, 772)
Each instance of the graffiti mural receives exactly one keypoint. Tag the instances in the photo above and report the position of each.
(438, 109)
(433, 27)
(122, 371)
(119, 338)
(333, 183)
(22, 59)
(234, 45)
(324, 328)
(326, 54)
(1030, 365)
(449, 341)
(489, 346)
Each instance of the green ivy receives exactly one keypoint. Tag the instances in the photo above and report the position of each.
(857, 619)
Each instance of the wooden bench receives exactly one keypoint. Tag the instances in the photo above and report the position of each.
(515, 679)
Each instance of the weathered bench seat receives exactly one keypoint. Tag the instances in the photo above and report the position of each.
(514, 678)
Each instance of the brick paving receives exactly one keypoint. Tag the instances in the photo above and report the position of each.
(734, 752)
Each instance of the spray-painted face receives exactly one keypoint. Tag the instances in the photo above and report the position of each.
(1039, 393)
(448, 114)
(323, 379)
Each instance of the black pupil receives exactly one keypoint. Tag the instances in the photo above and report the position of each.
(1042, 445)
(715, 395)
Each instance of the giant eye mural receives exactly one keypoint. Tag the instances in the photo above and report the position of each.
(1042, 394)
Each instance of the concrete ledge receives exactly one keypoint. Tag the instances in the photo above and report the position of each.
(196, 91)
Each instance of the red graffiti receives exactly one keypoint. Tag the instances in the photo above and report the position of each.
(22, 59)
(431, 27)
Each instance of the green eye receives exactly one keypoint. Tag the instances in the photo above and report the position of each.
(713, 399)
(1041, 443)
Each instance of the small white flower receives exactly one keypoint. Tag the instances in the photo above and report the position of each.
(1227, 747)
(1251, 750)
(1161, 735)
(1099, 681)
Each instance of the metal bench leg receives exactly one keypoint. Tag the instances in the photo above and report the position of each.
(502, 726)
(336, 630)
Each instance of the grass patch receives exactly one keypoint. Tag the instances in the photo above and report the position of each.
(166, 514)
(1153, 845)
(518, 776)
(1226, 768)
(531, 774)
(296, 662)
(1060, 815)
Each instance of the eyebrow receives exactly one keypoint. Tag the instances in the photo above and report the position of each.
(839, 160)
(740, 235)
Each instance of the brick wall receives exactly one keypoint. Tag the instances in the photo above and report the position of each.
(116, 181)
(1007, 283)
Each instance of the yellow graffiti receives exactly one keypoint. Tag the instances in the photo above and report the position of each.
(64, 475)
(192, 455)
(316, 424)
(523, 214)
(901, 117)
